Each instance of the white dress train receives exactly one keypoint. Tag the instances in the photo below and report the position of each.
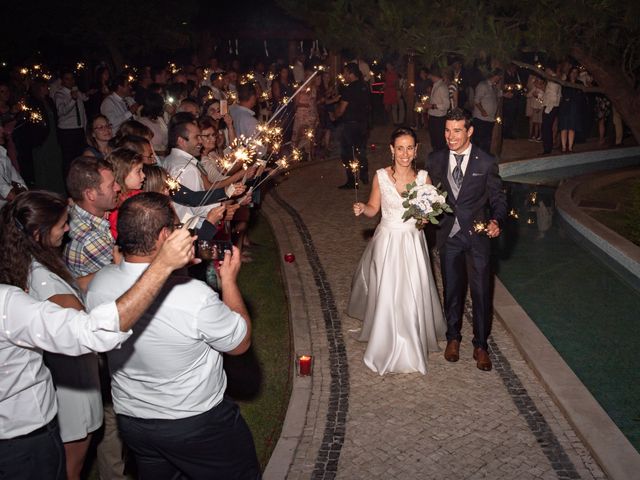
(394, 292)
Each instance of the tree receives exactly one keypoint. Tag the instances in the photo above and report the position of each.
(603, 35)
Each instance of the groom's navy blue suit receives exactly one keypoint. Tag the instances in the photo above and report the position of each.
(467, 253)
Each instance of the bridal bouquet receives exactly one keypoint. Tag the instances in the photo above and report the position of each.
(425, 203)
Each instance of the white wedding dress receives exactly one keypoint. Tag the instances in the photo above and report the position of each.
(394, 292)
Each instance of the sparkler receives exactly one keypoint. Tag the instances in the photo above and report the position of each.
(480, 227)
(281, 164)
(354, 166)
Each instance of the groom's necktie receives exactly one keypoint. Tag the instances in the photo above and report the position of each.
(457, 170)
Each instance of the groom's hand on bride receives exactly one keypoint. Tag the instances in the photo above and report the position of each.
(493, 229)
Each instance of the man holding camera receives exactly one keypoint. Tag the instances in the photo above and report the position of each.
(167, 382)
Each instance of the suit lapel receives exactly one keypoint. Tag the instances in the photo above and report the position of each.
(444, 174)
(473, 161)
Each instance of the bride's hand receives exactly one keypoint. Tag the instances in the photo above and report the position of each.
(358, 208)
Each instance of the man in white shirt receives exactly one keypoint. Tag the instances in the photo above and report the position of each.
(30, 444)
(244, 117)
(550, 103)
(168, 383)
(72, 118)
(183, 166)
(485, 108)
(118, 106)
(438, 106)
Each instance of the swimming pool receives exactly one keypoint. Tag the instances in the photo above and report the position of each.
(588, 312)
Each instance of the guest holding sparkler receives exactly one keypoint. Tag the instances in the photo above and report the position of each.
(306, 116)
(181, 163)
(393, 289)
(353, 111)
(210, 159)
(281, 91)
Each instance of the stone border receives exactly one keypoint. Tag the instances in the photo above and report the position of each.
(521, 167)
(608, 445)
(326, 463)
(283, 454)
(620, 250)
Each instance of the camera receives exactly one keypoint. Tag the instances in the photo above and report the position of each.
(213, 249)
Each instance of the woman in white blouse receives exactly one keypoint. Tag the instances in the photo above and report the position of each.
(40, 222)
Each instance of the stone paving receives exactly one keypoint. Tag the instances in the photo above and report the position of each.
(454, 422)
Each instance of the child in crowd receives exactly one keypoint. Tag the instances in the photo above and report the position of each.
(128, 173)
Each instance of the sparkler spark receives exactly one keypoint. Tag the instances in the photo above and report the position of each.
(172, 184)
(480, 227)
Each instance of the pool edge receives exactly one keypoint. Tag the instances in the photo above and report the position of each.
(612, 450)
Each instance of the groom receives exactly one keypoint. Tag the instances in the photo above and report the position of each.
(470, 176)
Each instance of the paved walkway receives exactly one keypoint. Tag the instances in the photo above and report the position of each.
(455, 422)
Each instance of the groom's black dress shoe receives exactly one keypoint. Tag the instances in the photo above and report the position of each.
(481, 356)
(452, 352)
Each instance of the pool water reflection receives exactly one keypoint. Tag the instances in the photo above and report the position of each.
(587, 312)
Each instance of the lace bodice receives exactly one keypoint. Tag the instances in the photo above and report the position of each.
(390, 199)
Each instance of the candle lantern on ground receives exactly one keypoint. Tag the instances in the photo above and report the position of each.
(304, 364)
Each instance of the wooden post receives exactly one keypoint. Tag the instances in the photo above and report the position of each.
(411, 89)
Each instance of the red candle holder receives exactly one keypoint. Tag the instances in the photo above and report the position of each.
(304, 365)
(373, 146)
(289, 257)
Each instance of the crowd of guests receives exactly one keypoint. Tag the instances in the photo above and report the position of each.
(94, 184)
(558, 113)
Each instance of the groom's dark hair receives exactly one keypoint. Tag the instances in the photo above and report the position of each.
(458, 114)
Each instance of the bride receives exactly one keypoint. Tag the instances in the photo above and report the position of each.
(393, 289)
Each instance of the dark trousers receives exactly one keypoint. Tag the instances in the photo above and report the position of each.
(213, 445)
(465, 260)
(482, 134)
(509, 116)
(436, 132)
(36, 456)
(547, 129)
(72, 142)
(354, 140)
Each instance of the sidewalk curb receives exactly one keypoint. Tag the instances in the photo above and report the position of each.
(283, 454)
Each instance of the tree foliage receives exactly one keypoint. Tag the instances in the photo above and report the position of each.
(608, 30)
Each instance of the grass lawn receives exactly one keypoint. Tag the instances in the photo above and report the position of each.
(264, 398)
(625, 220)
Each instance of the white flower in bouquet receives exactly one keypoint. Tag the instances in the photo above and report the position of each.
(424, 203)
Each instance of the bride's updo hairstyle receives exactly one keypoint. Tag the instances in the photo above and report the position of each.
(401, 132)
